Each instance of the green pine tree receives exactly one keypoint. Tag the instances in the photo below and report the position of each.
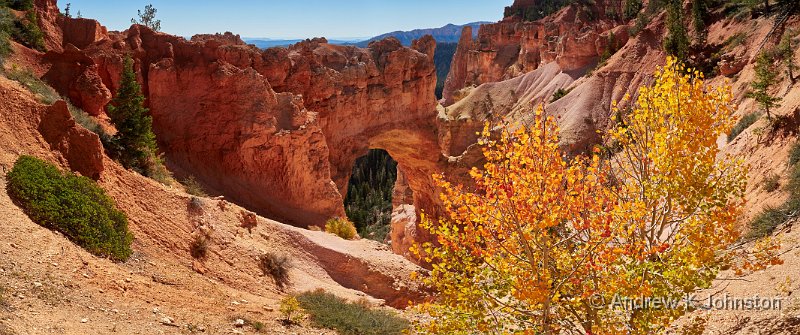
(134, 143)
(699, 10)
(765, 79)
(786, 51)
(632, 9)
(677, 41)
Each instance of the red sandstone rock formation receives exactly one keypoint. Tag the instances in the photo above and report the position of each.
(510, 48)
(80, 147)
(277, 130)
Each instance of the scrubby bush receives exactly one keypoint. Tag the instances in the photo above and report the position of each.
(277, 267)
(43, 92)
(329, 311)
(560, 93)
(744, 123)
(770, 218)
(794, 154)
(72, 205)
(735, 40)
(193, 187)
(772, 183)
(87, 121)
(6, 28)
(196, 206)
(341, 227)
(766, 222)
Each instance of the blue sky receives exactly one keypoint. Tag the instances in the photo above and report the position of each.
(293, 18)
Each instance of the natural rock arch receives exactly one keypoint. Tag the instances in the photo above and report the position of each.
(276, 130)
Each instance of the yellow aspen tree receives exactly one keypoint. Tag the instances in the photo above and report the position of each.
(529, 247)
(685, 198)
(543, 243)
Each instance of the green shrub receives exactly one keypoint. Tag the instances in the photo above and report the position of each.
(631, 9)
(72, 205)
(793, 186)
(258, 326)
(28, 33)
(6, 30)
(277, 267)
(87, 121)
(193, 187)
(794, 154)
(766, 222)
(735, 40)
(772, 183)
(341, 227)
(329, 311)
(43, 92)
(770, 218)
(20, 4)
(560, 93)
(744, 123)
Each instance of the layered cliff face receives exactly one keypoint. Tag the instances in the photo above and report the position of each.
(509, 48)
(278, 130)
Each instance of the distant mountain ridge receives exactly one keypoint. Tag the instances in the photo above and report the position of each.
(449, 33)
(265, 43)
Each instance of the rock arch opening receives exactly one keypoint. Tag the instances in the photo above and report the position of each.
(368, 201)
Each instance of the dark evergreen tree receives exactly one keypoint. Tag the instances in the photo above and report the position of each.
(134, 144)
(786, 52)
(765, 79)
(699, 10)
(632, 9)
(677, 41)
